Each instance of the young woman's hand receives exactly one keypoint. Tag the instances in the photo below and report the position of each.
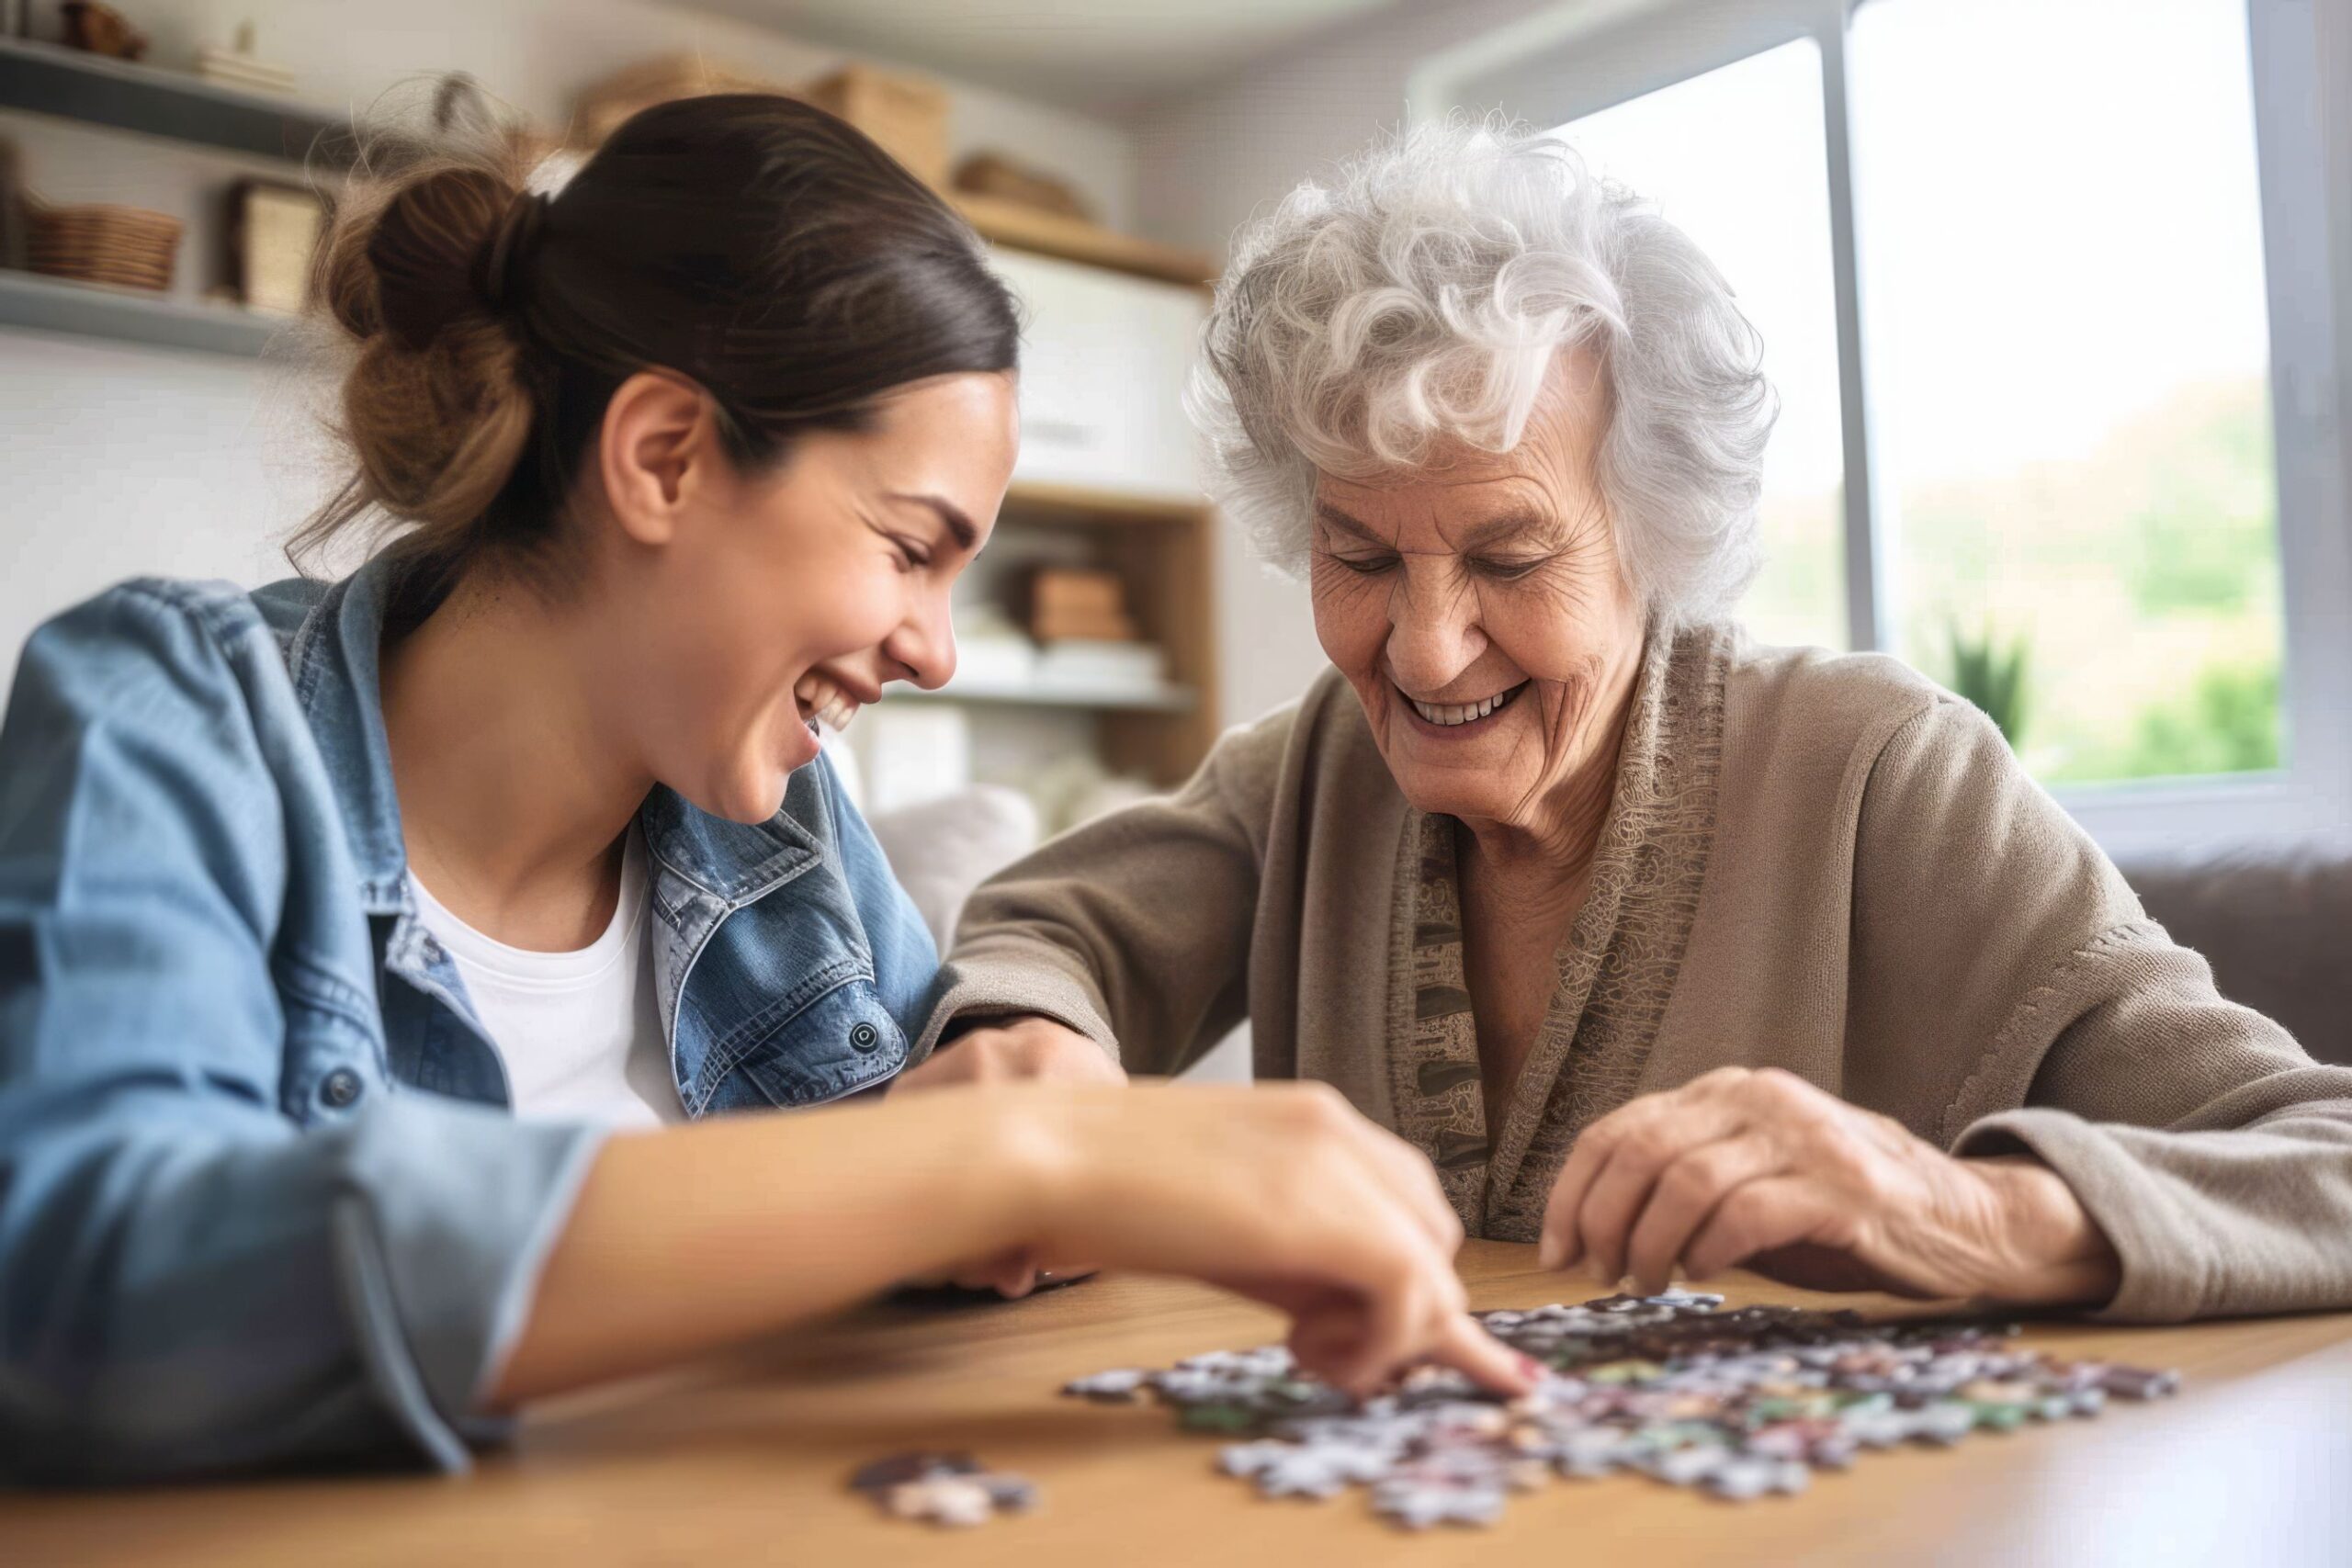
(1013, 1048)
(1279, 1192)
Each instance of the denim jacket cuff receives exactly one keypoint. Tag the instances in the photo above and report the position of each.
(439, 1242)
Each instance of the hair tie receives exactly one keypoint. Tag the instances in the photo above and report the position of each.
(506, 261)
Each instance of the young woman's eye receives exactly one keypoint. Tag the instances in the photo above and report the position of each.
(911, 557)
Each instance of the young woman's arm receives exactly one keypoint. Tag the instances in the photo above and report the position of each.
(684, 1240)
(217, 1254)
(210, 1263)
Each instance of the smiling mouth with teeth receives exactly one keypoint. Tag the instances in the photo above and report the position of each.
(1449, 715)
(820, 699)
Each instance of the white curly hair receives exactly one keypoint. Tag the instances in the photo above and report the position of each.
(1422, 295)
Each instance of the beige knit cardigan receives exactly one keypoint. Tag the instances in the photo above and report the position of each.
(1820, 862)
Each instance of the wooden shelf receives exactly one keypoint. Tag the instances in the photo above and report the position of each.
(127, 315)
(1071, 238)
(1103, 699)
(1030, 500)
(71, 83)
(1160, 543)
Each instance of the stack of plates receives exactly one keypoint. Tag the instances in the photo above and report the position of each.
(230, 69)
(1079, 662)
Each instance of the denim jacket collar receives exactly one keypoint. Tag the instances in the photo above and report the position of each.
(332, 659)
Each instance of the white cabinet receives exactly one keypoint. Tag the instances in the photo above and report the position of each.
(1103, 366)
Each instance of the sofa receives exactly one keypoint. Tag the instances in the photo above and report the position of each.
(2274, 918)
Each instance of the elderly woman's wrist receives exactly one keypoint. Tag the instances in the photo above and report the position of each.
(2055, 1253)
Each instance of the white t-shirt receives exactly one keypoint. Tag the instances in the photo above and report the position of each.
(581, 1033)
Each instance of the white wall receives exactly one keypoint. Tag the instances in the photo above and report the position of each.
(118, 461)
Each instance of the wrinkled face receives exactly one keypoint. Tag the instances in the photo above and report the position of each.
(1476, 605)
(792, 593)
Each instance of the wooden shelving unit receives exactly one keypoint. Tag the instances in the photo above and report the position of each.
(88, 89)
(1035, 501)
(1169, 699)
(1071, 238)
(129, 315)
(71, 83)
(1163, 550)
(1161, 546)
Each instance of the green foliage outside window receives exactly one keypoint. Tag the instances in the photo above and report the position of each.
(2145, 577)
(2137, 586)
(1991, 672)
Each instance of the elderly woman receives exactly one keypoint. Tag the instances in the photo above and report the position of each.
(1665, 949)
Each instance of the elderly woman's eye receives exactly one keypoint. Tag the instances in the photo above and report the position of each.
(1508, 570)
(1367, 565)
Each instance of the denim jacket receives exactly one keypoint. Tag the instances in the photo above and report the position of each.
(262, 1199)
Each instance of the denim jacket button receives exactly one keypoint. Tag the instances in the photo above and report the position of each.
(864, 1036)
(340, 1088)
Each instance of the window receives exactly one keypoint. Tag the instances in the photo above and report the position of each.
(2060, 233)
(1734, 158)
(2008, 258)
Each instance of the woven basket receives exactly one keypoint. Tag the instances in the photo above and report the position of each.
(126, 246)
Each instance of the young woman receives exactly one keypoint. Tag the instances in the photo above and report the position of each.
(376, 958)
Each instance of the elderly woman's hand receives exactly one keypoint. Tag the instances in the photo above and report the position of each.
(1761, 1168)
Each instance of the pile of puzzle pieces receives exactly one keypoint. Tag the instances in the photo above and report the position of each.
(1739, 1404)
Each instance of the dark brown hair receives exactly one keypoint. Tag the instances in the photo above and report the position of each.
(755, 244)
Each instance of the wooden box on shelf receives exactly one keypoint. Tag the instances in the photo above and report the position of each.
(1079, 601)
(274, 230)
(601, 107)
(1160, 551)
(906, 116)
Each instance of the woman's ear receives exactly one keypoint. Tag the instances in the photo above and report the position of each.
(658, 442)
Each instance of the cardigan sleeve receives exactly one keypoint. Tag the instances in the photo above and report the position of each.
(1133, 929)
(2002, 964)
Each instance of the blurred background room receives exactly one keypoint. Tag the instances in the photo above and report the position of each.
(2054, 293)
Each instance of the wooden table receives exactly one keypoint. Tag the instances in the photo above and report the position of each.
(743, 1463)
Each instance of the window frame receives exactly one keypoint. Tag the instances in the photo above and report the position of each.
(1553, 68)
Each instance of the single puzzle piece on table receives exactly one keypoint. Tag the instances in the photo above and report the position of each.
(949, 1489)
(1118, 1386)
(942, 1500)
(1738, 1405)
